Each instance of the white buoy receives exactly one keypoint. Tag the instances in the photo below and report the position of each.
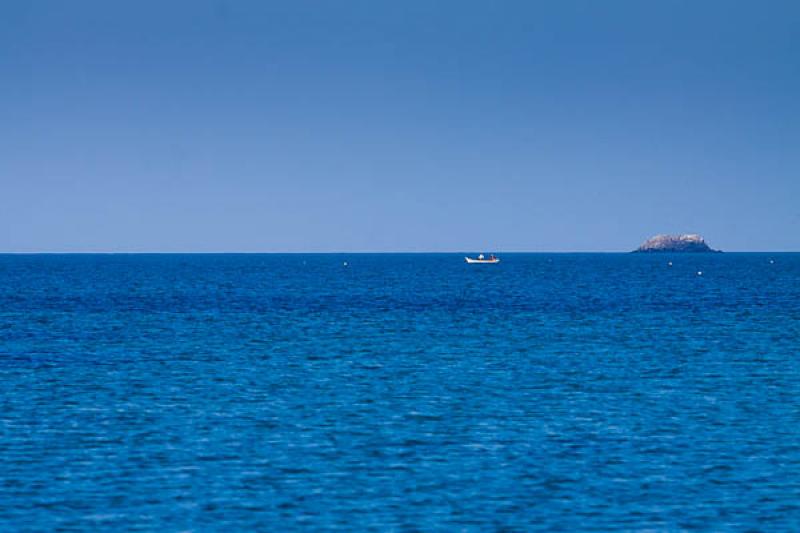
(344, 264)
(699, 272)
(771, 261)
(669, 264)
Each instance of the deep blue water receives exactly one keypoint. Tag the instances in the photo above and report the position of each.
(401, 392)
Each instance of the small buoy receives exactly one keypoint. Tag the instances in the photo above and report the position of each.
(771, 261)
(699, 272)
(344, 264)
(669, 264)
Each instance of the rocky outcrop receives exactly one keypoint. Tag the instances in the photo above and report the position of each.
(688, 243)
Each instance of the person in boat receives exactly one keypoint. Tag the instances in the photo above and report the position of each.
(480, 256)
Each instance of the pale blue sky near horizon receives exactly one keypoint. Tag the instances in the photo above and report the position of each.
(397, 126)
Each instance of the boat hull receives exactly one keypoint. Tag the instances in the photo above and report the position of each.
(472, 261)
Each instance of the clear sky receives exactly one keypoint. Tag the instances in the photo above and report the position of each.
(398, 126)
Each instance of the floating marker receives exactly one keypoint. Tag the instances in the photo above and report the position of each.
(771, 261)
(669, 264)
(699, 272)
(344, 264)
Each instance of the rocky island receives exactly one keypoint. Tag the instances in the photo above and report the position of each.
(687, 243)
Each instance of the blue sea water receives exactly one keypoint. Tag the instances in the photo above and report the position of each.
(400, 392)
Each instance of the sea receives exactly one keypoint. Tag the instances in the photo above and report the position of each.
(400, 392)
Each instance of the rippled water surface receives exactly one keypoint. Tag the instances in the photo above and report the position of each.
(400, 392)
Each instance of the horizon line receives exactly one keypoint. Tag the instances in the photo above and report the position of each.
(372, 252)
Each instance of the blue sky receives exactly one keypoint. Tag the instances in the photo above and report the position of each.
(397, 126)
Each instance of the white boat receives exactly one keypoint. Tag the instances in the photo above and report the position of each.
(481, 259)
